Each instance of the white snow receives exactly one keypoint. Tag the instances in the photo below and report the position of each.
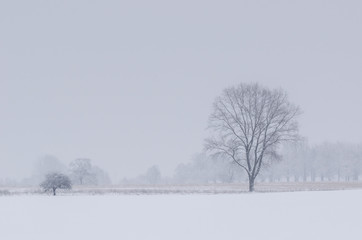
(296, 215)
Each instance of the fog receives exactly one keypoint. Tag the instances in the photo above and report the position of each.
(130, 84)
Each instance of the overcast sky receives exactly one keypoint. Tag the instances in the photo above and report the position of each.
(130, 84)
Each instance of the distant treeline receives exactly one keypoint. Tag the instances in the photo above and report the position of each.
(323, 162)
(296, 161)
(81, 171)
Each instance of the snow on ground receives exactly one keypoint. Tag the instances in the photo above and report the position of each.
(219, 188)
(297, 215)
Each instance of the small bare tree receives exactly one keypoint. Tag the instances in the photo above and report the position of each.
(248, 122)
(54, 181)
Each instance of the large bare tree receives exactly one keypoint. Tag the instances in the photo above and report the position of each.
(248, 122)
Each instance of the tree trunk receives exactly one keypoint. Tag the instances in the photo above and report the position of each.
(339, 175)
(271, 178)
(296, 178)
(251, 184)
(355, 177)
(54, 191)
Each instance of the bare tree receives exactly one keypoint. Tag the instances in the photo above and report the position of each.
(203, 169)
(81, 170)
(54, 181)
(248, 122)
(101, 177)
(153, 175)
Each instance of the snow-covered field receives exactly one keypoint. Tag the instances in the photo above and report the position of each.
(296, 215)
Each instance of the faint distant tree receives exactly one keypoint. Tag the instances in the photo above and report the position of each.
(43, 166)
(357, 162)
(248, 122)
(54, 181)
(101, 177)
(183, 173)
(49, 163)
(204, 169)
(295, 160)
(153, 175)
(81, 170)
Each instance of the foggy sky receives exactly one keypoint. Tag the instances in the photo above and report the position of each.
(130, 84)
